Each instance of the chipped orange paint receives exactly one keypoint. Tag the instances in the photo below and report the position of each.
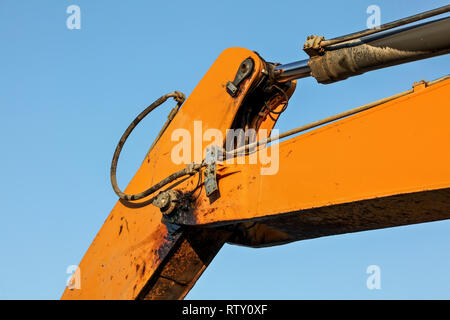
(133, 241)
(401, 146)
(398, 147)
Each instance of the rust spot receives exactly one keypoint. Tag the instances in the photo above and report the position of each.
(211, 210)
(137, 267)
(120, 230)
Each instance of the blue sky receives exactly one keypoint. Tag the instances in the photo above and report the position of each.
(66, 96)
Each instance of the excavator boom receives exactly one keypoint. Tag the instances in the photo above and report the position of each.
(378, 166)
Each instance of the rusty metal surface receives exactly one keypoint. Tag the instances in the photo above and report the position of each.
(372, 170)
(358, 56)
(189, 259)
(398, 147)
(134, 245)
(378, 213)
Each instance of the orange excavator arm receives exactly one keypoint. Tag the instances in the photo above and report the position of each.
(382, 165)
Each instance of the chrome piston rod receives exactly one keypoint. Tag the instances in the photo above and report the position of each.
(370, 52)
(294, 70)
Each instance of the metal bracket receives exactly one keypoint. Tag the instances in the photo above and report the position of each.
(312, 46)
(244, 71)
(211, 185)
(167, 201)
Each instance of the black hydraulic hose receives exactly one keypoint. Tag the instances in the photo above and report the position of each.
(387, 26)
(179, 98)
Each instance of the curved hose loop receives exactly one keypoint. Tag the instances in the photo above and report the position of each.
(189, 170)
(266, 105)
(286, 100)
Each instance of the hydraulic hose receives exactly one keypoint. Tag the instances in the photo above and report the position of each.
(189, 170)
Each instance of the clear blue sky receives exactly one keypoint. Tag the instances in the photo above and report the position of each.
(66, 96)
